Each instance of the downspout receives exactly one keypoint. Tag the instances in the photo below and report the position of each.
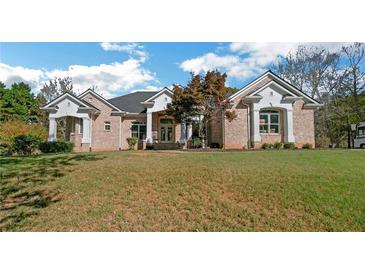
(91, 132)
(248, 125)
(120, 134)
(223, 129)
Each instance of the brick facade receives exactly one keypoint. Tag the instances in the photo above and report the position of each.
(235, 134)
(303, 124)
(100, 138)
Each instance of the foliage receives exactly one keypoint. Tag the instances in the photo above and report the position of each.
(25, 144)
(266, 146)
(214, 145)
(17, 102)
(12, 128)
(278, 145)
(335, 79)
(289, 145)
(197, 143)
(307, 146)
(132, 142)
(231, 115)
(201, 97)
(56, 147)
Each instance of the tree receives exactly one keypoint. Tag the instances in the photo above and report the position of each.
(335, 79)
(18, 103)
(307, 68)
(55, 88)
(201, 98)
(354, 79)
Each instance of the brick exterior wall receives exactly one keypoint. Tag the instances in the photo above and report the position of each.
(235, 134)
(126, 128)
(303, 124)
(236, 131)
(101, 139)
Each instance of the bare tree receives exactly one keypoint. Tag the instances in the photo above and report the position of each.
(354, 78)
(55, 88)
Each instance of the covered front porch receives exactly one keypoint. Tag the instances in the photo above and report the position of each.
(78, 117)
(159, 131)
(162, 132)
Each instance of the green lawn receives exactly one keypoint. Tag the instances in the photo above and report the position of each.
(184, 191)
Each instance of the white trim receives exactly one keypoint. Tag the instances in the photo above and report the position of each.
(157, 94)
(101, 98)
(60, 98)
(166, 126)
(110, 125)
(282, 82)
(269, 123)
(311, 106)
(269, 84)
(238, 93)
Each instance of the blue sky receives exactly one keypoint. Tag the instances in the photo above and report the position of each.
(120, 68)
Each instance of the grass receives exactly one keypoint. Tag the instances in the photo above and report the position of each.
(184, 191)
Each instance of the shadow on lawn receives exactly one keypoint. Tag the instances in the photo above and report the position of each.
(25, 184)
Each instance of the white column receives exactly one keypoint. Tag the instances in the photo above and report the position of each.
(149, 128)
(86, 131)
(52, 133)
(289, 137)
(256, 126)
(182, 133)
(189, 132)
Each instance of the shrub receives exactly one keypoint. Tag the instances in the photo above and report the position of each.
(56, 147)
(278, 145)
(132, 142)
(307, 146)
(11, 129)
(197, 143)
(289, 146)
(266, 146)
(25, 144)
(214, 145)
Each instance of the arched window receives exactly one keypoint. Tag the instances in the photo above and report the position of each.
(269, 121)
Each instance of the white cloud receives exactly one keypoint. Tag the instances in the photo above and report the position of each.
(247, 59)
(209, 61)
(110, 78)
(133, 49)
(10, 75)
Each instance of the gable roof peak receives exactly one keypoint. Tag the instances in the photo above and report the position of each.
(278, 80)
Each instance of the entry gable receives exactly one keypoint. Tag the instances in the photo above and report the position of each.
(269, 79)
(159, 101)
(165, 90)
(69, 99)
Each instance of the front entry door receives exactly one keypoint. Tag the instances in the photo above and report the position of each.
(166, 131)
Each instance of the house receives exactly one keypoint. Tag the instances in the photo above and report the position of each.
(269, 110)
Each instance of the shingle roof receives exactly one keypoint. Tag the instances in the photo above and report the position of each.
(132, 102)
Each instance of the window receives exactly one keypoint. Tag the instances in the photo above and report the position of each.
(138, 130)
(107, 126)
(269, 121)
(81, 128)
(166, 121)
(361, 131)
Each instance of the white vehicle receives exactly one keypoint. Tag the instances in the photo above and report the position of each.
(359, 141)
